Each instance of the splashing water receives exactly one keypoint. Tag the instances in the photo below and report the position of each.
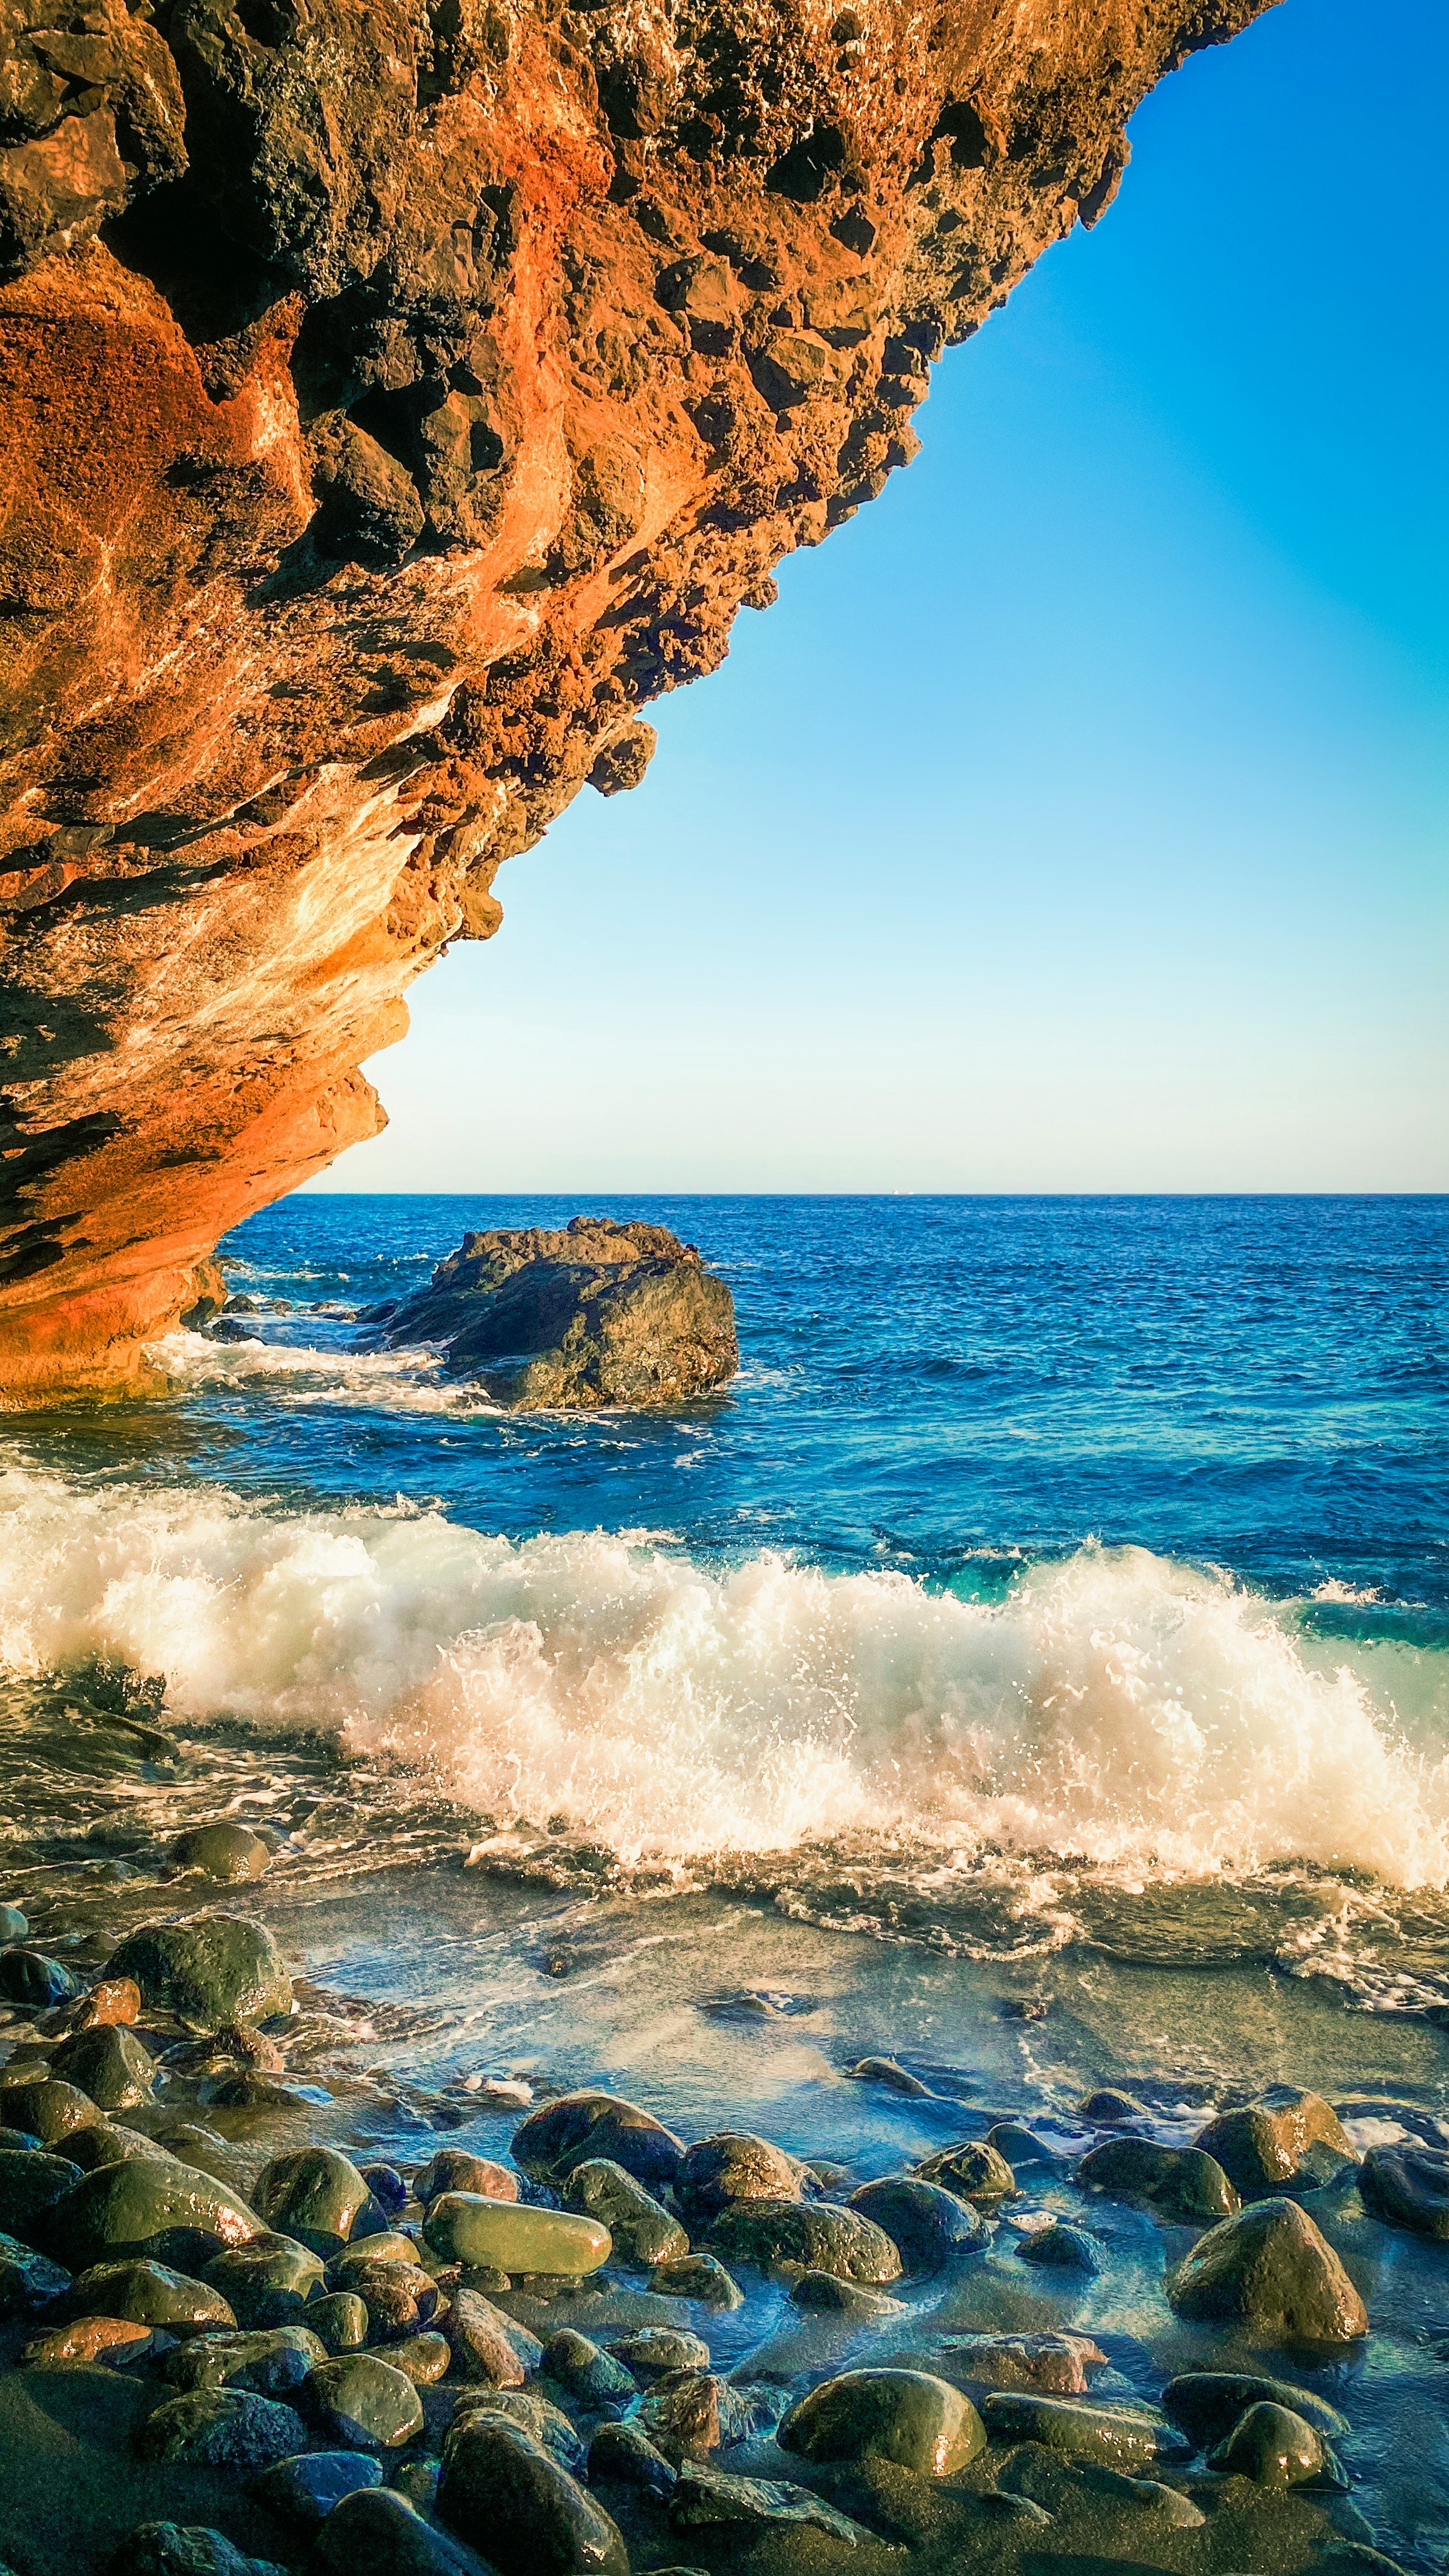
(1115, 1705)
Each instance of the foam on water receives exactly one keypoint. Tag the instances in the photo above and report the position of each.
(1113, 1705)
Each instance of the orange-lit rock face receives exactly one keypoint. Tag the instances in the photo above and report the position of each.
(394, 399)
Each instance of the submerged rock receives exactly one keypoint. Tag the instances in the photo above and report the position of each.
(597, 1314)
(1063, 2247)
(697, 2276)
(222, 1851)
(905, 2416)
(928, 2226)
(1208, 2403)
(1273, 2275)
(975, 2171)
(1274, 2446)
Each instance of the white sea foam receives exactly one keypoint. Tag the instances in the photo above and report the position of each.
(1115, 1705)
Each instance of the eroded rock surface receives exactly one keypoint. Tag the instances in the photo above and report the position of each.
(394, 400)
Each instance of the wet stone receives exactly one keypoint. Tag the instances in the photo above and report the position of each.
(688, 2413)
(222, 1851)
(454, 2169)
(592, 2378)
(1286, 2140)
(552, 2140)
(314, 2195)
(706, 2496)
(51, 2110)
(624, 2452)
(819, 2238)
(512, 2237)
(184, 2549)
(1062, 2247)
(107, 2142)
(361, 2400)
(376, 2532)
(641, 2231)
(30, 2284)
(658, 2348)
(221, 2428)
(1021, 2149)
(32, 2181)
(487, 2346)
(905, 2416)
(110, 2065)
(826, 2295)
(17, 2141)
(1271, 2274)
(14, 1926)
(389, 2245)
(1109, 2109)
(272, 2361)
(113, 2003)
(88, 2339)
(733, 2165)
(149, 2205)
(503, 2494)
(150, 2294)
(400, 2298)
(889, 2072)
(928, 2226)
(539, 2418)
(193, 2145)
(974, 2171)
(1273, 2446)
(1407, 2186)
(29, 1977)
(303, 2490)
(267, 2281)
(339, 2321)
(1115, 2436)
(213, 1970)
(388, 2189)
(1056, 2364)
(1208, 2403)
(1182, 2183)
(422, 2358)
(697, 2276)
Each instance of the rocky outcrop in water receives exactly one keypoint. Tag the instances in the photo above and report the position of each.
(596, 1314)
(394, 401)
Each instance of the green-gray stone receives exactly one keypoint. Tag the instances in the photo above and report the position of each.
(388, 2246)
(557, 2136)
(1118, 2437)
(199, 2147)
(212, 1970)
(653, 2349)
(149, 2205)
(509, 2236)
(271, 2362)
(362, 2401)
(378, 2533)
(1179, 2182)
(706, 2497)
(110, 2065)
(29, 2282)
(222, 1851)
(303, 2490)
(1274, 2446)
(817, 2236)
(975, 2171)
(31, 2183)
(700, 2277)
(150, 2294)
(544, 2422)
(1208, 2403)
(184, 2549)
(221, 2428)
(14, 1926)
(339, 2321)
(502, 2493)
(314, 2195)
(1287, 2140)
(50, 2110)
(1273, 2275)
(268, 2281)
(109, 2142)
(642, 2232)
(906, 2416)
(734, 2164)
(592, 2378)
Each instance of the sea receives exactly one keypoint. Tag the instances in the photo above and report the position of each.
(1033, 1667)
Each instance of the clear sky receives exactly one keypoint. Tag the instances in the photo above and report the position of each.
(1078, 819)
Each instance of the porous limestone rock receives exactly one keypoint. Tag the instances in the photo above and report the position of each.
(595, 1314)
(393, 402)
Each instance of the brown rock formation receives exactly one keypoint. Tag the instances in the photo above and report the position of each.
(395, 399)
(595, 1314)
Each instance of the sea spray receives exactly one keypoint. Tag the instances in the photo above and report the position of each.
(1114, 1705)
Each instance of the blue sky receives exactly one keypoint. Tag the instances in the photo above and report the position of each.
(1077, 820)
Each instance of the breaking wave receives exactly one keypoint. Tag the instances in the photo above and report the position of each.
(1135, 1712)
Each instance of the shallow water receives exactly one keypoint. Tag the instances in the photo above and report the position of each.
(1055, 1613)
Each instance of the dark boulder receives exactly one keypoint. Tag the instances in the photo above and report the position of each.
(598, 1314)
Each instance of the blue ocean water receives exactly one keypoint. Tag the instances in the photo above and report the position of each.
(940, 1384)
